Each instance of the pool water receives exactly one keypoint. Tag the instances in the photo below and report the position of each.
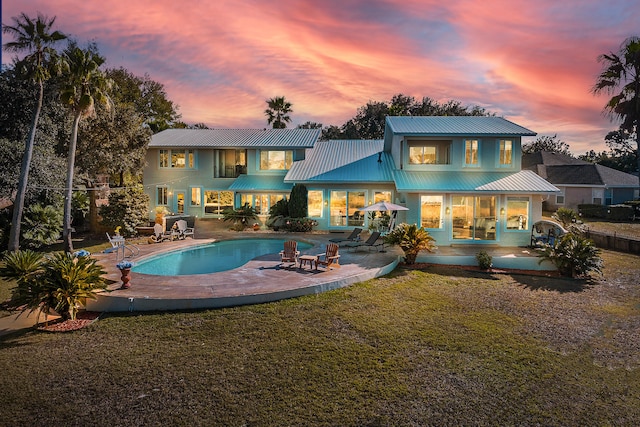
(213, 258)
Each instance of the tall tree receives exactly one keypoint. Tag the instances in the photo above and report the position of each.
(84, 84)
(620, 77)
(278, 112)
(36, 38)
(547, 143)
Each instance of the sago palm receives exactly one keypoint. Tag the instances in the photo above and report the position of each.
(36, 38)
(411, 239)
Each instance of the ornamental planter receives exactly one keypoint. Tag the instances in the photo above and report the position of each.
(125, 277)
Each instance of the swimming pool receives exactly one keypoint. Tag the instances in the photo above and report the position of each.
(212, 258)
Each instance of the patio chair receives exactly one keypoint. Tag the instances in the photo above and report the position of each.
(160, 235)
(118, 242)
(290, 252)
(183, 230)
(371, 242)
(330, 258)
(350, 238)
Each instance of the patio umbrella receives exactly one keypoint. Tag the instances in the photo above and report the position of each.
(386, 206)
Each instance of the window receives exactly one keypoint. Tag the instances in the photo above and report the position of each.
(180, 159)
(195, 196)
(471, 148)
(428, 152)
(162, 196)
(431, 211)
(314, 203)
(276, 160)
(560, 197)
(262, 203)
(517, 213)
(230, 163)
(345, 208)
(474, 218)
(215, 202)
(381, 196)
(506, 152)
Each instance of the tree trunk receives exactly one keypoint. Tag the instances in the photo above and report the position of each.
(93, 208)
(66, 229)
(18, 203)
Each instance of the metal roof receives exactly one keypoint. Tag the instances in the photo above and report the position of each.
(520, 182)
(454, 125)
(236, 138)
(260, 183)
(343, 161)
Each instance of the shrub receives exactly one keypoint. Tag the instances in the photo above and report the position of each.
(42, 225)
(565, 216)
(280, 208)
(61, 282)
(484, 260)
(573, 256)
(411, 240)
(241, 217)
(128, 209)
(298, 207)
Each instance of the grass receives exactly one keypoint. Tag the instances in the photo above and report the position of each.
(433, 347)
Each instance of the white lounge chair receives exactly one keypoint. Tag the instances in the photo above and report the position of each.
(160, 234)
(183, 229)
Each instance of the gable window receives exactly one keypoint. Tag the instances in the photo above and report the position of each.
(429, 152)
(431, 211)
(517, 213)
(162, 196)
(505, 152)
(196, 198)
(276, 160)
(180, 159)
(471, 151)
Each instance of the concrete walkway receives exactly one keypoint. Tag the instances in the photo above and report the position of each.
(18, 321)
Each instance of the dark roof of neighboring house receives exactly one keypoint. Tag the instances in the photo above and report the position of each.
(560, 169)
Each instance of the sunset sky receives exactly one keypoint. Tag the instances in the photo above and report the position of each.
(533, 62)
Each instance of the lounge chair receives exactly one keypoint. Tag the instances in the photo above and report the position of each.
(290, 252)
(350, 238)
(118, 242)
(330, 258)
(183, 230)
(371, 242)
(160, 235)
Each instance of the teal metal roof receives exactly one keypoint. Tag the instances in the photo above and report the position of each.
(236, 138)
(454, 125)
(343, 161)
(260, 183)
(518, 182)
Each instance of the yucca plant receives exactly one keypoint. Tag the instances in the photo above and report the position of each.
(411, 240)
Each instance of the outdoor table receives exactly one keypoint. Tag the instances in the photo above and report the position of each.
(308, 259)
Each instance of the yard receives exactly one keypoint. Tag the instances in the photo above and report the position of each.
(432, 347)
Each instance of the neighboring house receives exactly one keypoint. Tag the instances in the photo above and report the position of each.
(460, 177)
(580, 182)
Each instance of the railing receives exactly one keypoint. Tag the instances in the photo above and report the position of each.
(614, 242)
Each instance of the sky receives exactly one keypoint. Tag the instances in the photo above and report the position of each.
(532, 62)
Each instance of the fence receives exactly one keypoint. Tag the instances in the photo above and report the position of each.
(614, 242)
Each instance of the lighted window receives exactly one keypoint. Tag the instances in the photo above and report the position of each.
(164, 158)
(506, 152)
(428, 152)
(261, 202)
(517, 213)
(162, 196)
(196, 199)
(276, 160)
(346, 208)
(314, 203)
(215, 202)
(381, 196)
(473, 218)
(471, 148)
(181, 159)
(431, 211)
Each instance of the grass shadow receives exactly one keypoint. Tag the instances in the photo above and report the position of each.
(555, 284)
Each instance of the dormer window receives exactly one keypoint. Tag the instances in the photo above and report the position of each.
(471, 152)
(429, 152)
(505, 152)
(276, 160)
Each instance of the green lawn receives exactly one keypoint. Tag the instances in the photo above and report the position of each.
(433, 347)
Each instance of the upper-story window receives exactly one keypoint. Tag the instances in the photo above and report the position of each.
(471, 152)
(276, 160)
(181, 159)
(429, 152)
(230, 163)
(505, 152)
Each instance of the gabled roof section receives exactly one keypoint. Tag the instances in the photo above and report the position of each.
(549, 158)
(236, 138)
(343, 161)
(519, 182)
(589, 174)
(454, 125)
(260, 183)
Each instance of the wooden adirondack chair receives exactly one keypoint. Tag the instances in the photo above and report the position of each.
(330, 258)
(290, 252)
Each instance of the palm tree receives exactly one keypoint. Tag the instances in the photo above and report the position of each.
(621, 72)
(84, 84)
(37, 39)
(278, 112)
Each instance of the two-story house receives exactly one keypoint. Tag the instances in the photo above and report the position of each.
(459, 177)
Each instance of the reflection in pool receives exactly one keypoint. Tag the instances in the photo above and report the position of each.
(215, 257)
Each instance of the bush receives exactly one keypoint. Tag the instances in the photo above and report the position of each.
(61, 282)
(128, 209)
(592, 211)
(565, 216)
(484, 260)
(573, 256)
(411, 240)
(41, 226)
(241, 217)
(298, 204)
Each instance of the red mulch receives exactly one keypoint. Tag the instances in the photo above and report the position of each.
(425, 265)
(83, 318)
